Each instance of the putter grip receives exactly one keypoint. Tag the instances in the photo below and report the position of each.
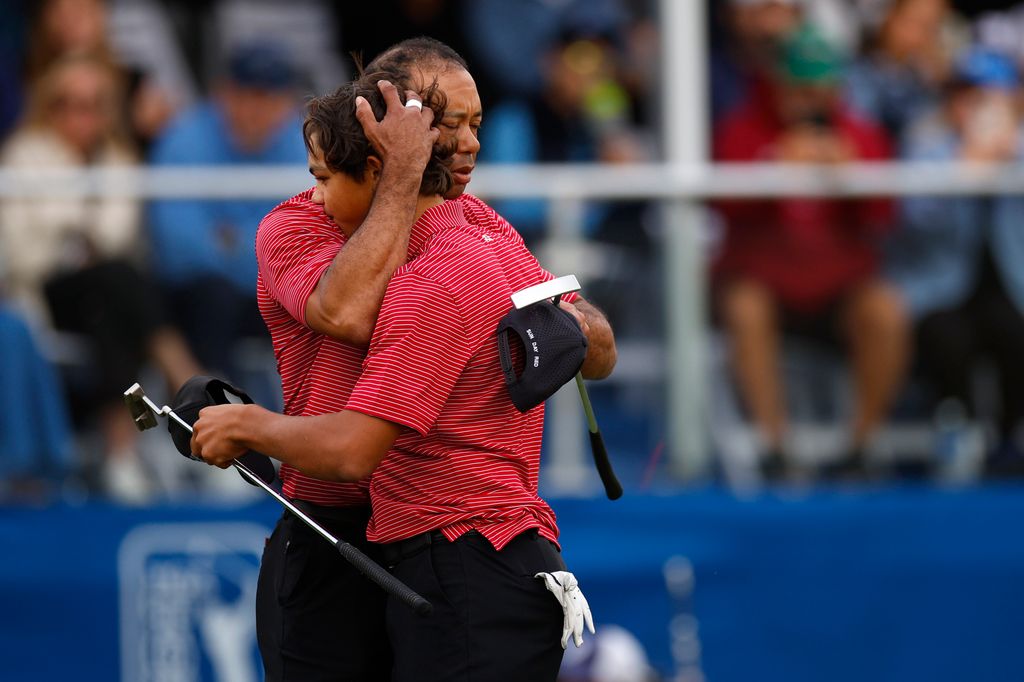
(387, 582)
(612, 487)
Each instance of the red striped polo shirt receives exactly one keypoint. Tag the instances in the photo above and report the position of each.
(470, 460)
(295, 244)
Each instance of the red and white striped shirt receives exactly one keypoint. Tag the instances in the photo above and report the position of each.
(295, 244)
(471, 460)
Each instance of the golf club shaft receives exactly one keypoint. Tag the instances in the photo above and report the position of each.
(588, 409)
(612, 487)
(350, 552)
(364, 564)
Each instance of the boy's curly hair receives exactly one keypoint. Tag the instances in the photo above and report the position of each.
(331, 121)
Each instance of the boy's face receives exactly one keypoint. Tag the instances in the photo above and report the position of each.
(345, 200)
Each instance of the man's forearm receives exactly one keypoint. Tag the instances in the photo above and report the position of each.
(352, 289)
(601, 352)
(323, 446)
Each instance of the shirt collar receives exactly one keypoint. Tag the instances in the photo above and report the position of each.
(434, 220)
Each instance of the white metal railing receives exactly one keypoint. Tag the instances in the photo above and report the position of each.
(554, 181)
(680, 187)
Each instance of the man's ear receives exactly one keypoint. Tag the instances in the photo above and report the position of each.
(374, 166)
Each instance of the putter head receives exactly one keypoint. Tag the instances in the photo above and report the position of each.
(544, 291)
(142, 415)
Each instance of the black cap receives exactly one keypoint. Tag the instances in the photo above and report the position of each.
(262, 66)
(202, 391)
(554, 346)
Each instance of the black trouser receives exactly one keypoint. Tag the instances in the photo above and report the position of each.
(317, 618)
(492, 619)
(987, 324)
(117, 309)
(214, 314)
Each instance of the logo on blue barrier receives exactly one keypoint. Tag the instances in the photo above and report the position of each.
(188, 602)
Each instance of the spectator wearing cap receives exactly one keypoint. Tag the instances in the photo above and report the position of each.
(740, 63)
(957, 260)
(899, 77)
(583, 114)
(203, 249)
(806, 265)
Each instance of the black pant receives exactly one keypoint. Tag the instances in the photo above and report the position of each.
(492, 619)
(117, 309)
(987, 325)
(214, 315)
(317, 618)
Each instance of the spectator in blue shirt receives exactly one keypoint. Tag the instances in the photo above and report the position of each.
(899, 76)
(203, 250)
(958, 260)
(35, 430)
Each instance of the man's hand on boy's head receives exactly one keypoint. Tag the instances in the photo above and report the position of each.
(405, 135)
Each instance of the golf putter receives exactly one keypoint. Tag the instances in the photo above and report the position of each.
(553, 290)
(145, 412)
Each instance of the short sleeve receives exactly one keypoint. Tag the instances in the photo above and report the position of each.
(294, 250)
(418, 352)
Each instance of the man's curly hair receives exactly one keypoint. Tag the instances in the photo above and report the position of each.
(332, 124)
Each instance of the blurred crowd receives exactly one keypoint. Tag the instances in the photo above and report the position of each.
(922, 291)
(98, 292)
(919, 292)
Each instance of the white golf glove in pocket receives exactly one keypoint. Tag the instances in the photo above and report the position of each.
(575, 608)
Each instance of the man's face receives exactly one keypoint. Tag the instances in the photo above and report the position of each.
(761, 24)
(345, 200)
(911, 28)
(806, 103)
(461, 122)
(255, 115)
(82, 111)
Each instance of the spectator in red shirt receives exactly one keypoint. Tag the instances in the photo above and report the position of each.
(807, 264)
(455, 465)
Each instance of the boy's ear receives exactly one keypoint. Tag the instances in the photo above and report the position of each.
(374, 166)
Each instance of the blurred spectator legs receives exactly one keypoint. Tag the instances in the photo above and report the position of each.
(750, 315)
(878, 332)
(117, 311)
(35, 433)
(951, 343)
(872, 323)
(214, 316)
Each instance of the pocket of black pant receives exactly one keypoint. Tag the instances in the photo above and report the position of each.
(292, 560)
(530, 553)
(448, 570)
